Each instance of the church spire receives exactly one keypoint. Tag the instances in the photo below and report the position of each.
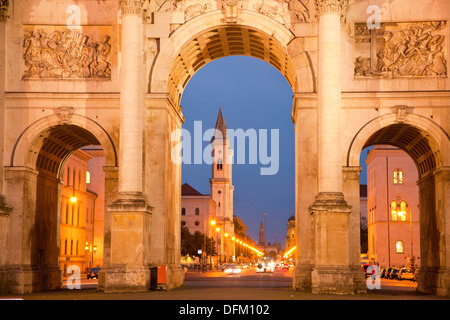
(221, 124)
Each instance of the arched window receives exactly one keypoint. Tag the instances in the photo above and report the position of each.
(402, 211)
(197, 211)
(65, 247)
(88, 177)
(399, 246)
(398, 176)
(183, 211)
(219, 164)
(394, 216)
(398, 212)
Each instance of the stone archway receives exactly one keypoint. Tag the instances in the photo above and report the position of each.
(427, 144)
(190, 47)
(33, 189)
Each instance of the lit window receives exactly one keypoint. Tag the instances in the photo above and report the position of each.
(399, 246)
(402, 212)
(394, 211)
(88, 177)
(398, 213)
(398, 176)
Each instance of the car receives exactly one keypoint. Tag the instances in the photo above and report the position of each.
(394, 273)
(93, 273)
(414, 279)
(232, 268)
(285, 266)
(369, 269)
(405, 274)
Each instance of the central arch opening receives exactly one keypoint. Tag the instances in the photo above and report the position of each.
(253, 96)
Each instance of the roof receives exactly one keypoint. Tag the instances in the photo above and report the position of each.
(221, 124)
(187, 190)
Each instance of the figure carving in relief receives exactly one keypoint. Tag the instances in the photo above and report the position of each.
(168, 5)
(3, 9)
(417, 50)
(196, 9)
(65, 54)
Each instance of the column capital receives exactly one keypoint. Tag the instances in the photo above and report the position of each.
(330, 6)
(131, 7)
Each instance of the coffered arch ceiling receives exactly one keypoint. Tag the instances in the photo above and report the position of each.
(57, 144)
(226, 41)
(416, 143)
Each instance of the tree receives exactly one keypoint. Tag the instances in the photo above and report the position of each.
(364, 235)
(191, 243)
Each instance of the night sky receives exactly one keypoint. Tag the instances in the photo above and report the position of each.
(252, 95)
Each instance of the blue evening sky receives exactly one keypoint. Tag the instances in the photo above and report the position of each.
(252, 95)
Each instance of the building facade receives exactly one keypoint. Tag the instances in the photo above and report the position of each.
(82, 211)
(393, 208)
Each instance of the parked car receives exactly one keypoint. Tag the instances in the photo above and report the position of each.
(394, 273)
(93, 273)
(414, 279)
(405, 274)
(369, 269)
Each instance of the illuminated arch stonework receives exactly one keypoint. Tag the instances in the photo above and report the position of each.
(348, 94)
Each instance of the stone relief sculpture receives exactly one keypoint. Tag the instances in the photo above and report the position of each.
(196, 9)
(65, 53)
(288, 12)
(402, 50)
(4, 4)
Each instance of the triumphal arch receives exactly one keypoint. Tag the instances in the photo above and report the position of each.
(112, 73)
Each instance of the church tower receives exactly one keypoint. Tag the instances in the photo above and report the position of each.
(221, 185)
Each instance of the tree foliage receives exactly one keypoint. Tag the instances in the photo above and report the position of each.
(191, 243)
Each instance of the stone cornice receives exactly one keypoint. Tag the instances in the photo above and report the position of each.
(131, 7)
(330, 6)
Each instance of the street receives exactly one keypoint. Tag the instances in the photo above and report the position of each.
(248, 278)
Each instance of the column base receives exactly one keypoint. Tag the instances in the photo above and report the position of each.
(128, 269)
(124, 278)
(332, 280)
(301, 278)
(29, 279)
(434, 281)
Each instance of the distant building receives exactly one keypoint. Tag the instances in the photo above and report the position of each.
(82, 210)
(393, 207)
(290, 233)
(199, 210)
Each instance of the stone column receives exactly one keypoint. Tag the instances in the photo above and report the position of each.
(129, 219)
(329, 95)
(131, 97)
(330, 213)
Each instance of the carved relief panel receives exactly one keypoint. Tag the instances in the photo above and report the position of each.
(59, 52)
(287, 12)
(396, 50)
